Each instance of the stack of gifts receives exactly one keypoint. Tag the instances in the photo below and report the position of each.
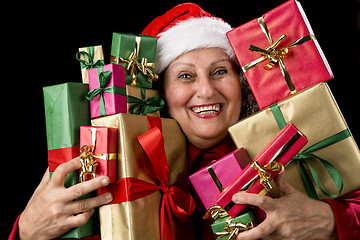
(112, 121)
(300, 127)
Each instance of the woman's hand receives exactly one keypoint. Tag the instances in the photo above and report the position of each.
(50, 211)
(292, 216)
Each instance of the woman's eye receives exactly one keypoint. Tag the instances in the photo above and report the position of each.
(185, 77)
(220, 72)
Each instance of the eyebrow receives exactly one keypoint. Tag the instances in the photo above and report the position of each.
(193, 65)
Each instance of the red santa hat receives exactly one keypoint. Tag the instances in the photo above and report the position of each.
(184, 28)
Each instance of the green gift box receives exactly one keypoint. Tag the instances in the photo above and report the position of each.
(66, 109)
(137, 55)
(228, 228)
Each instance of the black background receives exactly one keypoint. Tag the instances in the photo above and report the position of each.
(39, 43)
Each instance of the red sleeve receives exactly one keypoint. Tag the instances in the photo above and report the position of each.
(347, 215)
(15, 236)
(14, 231)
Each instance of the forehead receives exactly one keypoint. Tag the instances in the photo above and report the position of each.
(204, 57)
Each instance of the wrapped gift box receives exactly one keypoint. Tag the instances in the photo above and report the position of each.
(102, 143)
(137, 55)
(266, 165)
(140, 218)
(304, 63)
(89, 58)
(66, 109)
(316, 114)
(212, 179)
(107, 90)
(224, 227)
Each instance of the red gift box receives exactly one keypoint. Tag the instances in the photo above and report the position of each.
(99, 149)
(266, 165)
(107, 90)
(291, 63)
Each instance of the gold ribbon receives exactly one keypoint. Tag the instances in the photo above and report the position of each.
(88, 163)
(231, 229)
(134, 65)
(264, 174)
(273, 55)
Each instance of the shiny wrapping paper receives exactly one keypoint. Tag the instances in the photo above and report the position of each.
(127, 49)
(316, 114)
(98, 55)
(305, 63)
(66, 109)
(136, 93)
(139, 219)
(113, 98)
(212, 179)
(105, 147)
(265, 166)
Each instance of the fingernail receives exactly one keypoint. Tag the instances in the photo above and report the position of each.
(235, 198)
(108, 196)
(105, 181)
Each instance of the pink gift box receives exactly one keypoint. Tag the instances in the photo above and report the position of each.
(305, 63)
(210, 180)
(105, 151)
(281, 149)
(113, 94)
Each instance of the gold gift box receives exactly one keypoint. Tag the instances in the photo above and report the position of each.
(136, 92)
(98, 55)
(316, 114)
(140, 219)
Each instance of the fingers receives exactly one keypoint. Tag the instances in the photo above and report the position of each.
(258, 232)
(260, 201)
(85, 205)
(86, 187)
(79, 219)
(63, 170)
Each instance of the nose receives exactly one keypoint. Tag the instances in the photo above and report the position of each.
(205, 88)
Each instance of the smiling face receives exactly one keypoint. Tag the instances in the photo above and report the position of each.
(203, 93)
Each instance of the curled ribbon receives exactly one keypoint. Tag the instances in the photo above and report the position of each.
(264, 174)
(88, 163)
(134, 65)
(89, 64)
(273, 55)
(232, 228)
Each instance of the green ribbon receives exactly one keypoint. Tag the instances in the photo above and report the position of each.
(89, 64)
(143, 106)
(104, 78)
(303, 158)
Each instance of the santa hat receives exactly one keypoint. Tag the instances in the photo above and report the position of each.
(184, 28)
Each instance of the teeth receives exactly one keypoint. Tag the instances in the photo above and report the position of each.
(206, 109)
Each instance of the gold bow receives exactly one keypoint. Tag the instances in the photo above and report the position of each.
(215, 212)
(88, 163)
(134, 65)
(233, 229)
(273, 55)
(264, 175)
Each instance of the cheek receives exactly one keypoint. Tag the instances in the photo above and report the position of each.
(176, 97)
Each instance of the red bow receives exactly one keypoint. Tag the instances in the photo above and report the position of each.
(174, 200)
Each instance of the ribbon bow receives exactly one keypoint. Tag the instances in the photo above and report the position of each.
(104, 78)
(89, 64)
(88, 164)
(174, 200)
(273, 55)
(264, 174)
(134, 65)
(143, 106)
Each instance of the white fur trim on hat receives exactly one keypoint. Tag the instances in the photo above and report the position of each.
(191, 34)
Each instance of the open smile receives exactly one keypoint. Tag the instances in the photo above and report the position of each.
(207, 111)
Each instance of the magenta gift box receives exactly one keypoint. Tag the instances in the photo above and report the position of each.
(210, 180)
(112, 101)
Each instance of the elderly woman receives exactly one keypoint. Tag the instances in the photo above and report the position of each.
(206, 93)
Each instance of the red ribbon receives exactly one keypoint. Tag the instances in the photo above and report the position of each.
(61, 155)
(174, 200)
